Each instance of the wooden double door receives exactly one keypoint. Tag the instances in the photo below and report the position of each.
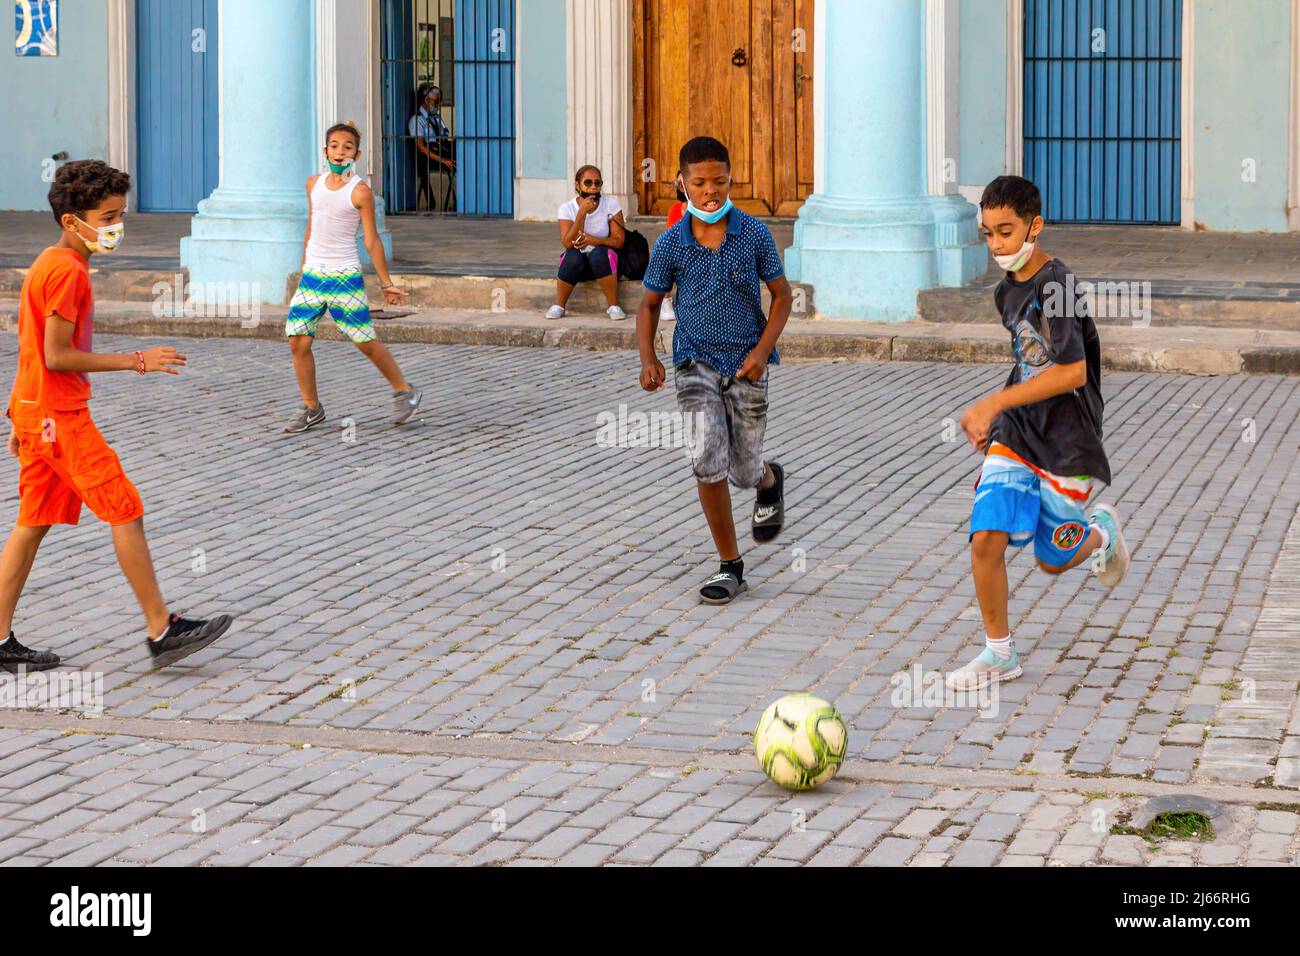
(737, 70)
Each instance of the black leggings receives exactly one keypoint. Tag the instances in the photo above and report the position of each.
(576, 266)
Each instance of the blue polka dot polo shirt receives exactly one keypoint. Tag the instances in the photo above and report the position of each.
(718, 303)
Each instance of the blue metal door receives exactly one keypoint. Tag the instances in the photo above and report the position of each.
(485, 122)
(176, 103)
(1102, 108)
(466, 49)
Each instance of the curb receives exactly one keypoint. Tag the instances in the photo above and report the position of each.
(803, 341)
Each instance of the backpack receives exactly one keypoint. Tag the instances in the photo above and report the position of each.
(634, 256)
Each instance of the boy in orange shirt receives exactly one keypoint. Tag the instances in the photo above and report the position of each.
(63, 460)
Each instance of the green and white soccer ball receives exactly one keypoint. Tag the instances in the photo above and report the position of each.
(801, 741)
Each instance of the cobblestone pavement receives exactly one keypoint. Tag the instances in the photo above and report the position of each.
(494, 575)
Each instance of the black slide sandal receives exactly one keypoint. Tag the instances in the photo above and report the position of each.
(769, 517)
(723, 581)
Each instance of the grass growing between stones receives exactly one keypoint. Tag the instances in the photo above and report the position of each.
(1177, 825)
(1185, 825)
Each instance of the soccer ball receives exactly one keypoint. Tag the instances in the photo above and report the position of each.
(801, 741)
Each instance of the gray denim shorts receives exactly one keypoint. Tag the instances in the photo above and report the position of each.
(729, 416)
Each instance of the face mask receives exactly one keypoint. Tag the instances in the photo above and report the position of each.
(700, 214)
(108, 237)
(1016, 261)
(340, 169)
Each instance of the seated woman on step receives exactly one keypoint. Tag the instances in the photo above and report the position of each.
(591, 229)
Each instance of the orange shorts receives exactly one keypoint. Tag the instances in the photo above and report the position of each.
(63, 462)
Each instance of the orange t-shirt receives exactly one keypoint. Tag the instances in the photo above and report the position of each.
(57, 282)
(675, 213)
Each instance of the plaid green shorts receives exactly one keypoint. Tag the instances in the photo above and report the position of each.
(342, 292)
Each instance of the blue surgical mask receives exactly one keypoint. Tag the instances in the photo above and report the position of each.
(709, 217)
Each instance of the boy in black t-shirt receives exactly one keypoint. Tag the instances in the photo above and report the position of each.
(1040, 434)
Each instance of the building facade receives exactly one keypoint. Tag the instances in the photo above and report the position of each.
(872, 121)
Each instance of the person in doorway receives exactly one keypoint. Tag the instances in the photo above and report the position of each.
(592, 232)
(435, 148)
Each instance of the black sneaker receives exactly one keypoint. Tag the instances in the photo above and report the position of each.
(14, 657)
(769, 508)
(183, 637)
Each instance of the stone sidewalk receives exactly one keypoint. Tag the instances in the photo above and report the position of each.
(460, 246)
(87, 799)
(433, 601)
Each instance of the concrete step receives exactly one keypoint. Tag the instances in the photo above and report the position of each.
(1192, 349)
(1159, 305)
(475, 292)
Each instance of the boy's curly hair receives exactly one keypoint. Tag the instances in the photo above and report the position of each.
(1015, 191)
(83, 184)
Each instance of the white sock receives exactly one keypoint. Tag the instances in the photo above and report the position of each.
(1105, 538)
(1001, 647)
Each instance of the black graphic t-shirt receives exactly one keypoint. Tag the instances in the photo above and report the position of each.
(1047, 316)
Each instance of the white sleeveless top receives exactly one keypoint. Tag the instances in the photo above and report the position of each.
(334, 224)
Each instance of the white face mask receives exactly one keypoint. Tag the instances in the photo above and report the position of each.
(1016, 261)
(108, 237)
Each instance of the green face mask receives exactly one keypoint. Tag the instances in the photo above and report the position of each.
(340, 168)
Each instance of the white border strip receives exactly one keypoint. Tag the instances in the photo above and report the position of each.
(1293, 199)
(1187, 133)
(1013, 160)
(819, 96)
(121, 89)
(935, 126)
(327, 96)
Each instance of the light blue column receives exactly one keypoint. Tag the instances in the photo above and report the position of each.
(870, 237)
(251, 228)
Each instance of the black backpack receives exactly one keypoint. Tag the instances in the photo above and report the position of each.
(634, 256)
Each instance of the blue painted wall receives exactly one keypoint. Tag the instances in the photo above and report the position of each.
(1241, 99)
(544, 136)
(53, 103)
(983, 99)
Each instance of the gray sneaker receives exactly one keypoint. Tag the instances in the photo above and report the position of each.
(306, 418)
(406, 404)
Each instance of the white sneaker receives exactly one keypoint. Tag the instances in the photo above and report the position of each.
(614, 312)
(666, 313)
(1112, 564)
(555, 312)
(987, 668)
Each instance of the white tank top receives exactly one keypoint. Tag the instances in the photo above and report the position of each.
(334, 224)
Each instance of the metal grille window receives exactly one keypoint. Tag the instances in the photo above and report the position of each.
(447, 74)
(1102, 109)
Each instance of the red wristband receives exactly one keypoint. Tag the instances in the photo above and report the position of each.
(139, 362)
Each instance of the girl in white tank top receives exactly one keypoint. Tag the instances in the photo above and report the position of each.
(334, 225)
(332, 281)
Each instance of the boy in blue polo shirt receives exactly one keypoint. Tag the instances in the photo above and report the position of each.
(716, 256)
